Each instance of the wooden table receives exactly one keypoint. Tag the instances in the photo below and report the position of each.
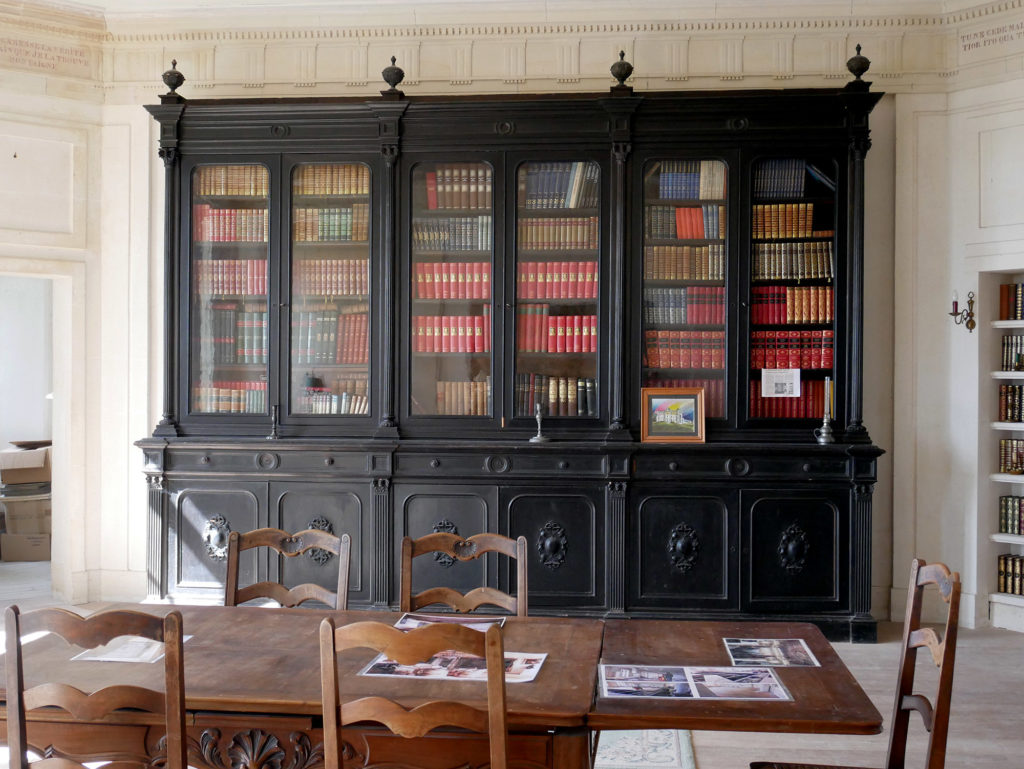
(826, 699)
(253, 690)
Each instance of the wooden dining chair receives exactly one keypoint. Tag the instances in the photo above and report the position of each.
(409, 648)
(163, 711)
(464, 549)
(943, 650)
(290, 546)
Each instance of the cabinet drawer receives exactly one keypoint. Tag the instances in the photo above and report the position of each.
(500, 465)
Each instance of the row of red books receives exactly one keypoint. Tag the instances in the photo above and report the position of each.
(230, 276)
(331, 179)
(810, 404)
(459, 185)
(235, 397)
(783, 220)
(684, 349)
(792, 349)
(557, 280)
(557, 233)
(791, 304)
(451, 333)
(453, 280)
(539, 332)
(688, 304)
(331, 277)
(247, 225)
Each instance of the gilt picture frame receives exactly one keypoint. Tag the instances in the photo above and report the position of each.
(672, 414)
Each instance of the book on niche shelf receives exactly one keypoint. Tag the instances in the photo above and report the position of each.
(1011, 400)
(1011, 515)
(1010, 577)
(1012, 352)
(1011, 301)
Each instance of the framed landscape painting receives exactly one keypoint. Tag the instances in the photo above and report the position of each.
(672, 414)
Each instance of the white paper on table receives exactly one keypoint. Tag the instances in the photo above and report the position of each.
(126, 649)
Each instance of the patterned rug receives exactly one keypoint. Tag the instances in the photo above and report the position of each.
(647, 749)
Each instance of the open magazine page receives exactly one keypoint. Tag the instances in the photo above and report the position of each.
(126, 649)
(520, 667)
(770, 652)
(684, 682)
(409, 621)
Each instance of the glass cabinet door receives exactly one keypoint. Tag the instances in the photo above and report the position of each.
(330, 289)
(685, 220)
(452, 246)
(792, 307)
(557, 266)
(228, 318)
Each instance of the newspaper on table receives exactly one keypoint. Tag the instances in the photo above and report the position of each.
(520, 667)
(126, 649)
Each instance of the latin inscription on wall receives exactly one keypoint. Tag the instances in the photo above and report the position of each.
(51, 58)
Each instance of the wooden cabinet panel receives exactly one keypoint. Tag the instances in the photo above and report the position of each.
(465, 510)
(565, 535)
(684, 549)
(337, 508)
(797, 548)
(203, 514)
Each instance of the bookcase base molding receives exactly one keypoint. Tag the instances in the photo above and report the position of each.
(726, 531)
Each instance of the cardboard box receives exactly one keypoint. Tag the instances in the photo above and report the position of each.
(28, 514)
(25, 465)
(24, 547)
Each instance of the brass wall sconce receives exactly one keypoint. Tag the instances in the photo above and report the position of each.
(966, 317)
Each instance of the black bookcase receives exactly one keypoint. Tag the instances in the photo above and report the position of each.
(376, 307)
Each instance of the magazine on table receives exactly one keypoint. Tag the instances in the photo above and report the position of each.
(453, 665)
(770, 652)
(409, 621)
(520, 667)
(686, 682)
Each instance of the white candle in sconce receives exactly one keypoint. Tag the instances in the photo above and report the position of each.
(828, 398)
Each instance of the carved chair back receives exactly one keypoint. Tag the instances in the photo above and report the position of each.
(311, 541)
(409, 648)
(935, 715)
(464, 549)
(65, 704)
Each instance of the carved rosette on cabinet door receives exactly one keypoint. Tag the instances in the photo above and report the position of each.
(552, 545)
